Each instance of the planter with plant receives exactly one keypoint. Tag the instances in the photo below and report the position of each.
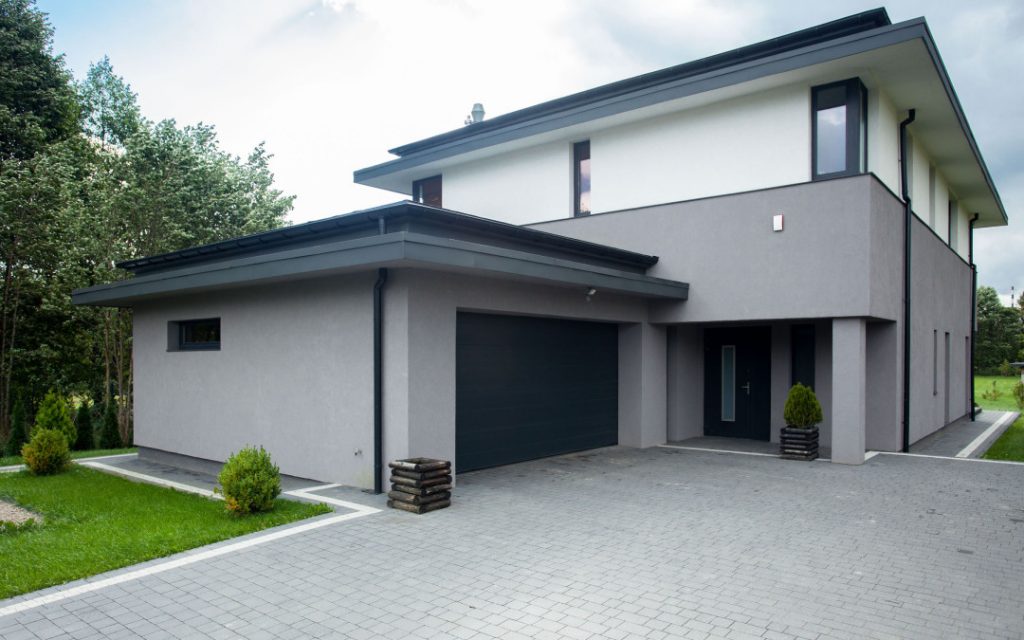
(799, 438)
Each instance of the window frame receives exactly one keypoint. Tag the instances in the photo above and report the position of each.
(417, 191)
(579, 149)
(176, 335)
(856, 104)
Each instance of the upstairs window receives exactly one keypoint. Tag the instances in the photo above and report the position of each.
(839, 131)
(194, 335)
(581, 173)
(427, 191)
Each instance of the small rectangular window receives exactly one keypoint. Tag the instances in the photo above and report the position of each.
(952, 230)
(839, 130)
(427, 191)
(194, 335)
(935, 362)
(728, 383)
(581, 179)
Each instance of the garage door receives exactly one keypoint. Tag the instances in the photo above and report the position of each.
(532, 387)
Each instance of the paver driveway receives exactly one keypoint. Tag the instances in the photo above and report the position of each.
(620, 543)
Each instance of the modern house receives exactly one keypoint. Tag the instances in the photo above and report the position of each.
(648, 261)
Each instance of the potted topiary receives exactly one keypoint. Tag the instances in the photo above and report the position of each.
(799, 439)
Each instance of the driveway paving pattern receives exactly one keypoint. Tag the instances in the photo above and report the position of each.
(615, 544)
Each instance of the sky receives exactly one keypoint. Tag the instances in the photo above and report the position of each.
(330, 85)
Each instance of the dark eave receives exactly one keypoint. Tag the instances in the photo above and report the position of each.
(815, 35)
(408, 216)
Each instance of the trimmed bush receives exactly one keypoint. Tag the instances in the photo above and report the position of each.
(249, 481)
(110, 435)
(47, 452)
(83, 422)
(19, 428)
(802, 408)
(54, 413)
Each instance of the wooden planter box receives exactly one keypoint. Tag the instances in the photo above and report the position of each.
(799, 444)
(420, 485)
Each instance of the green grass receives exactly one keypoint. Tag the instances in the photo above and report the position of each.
(95, 522)
(75, 455)
(1010, 445)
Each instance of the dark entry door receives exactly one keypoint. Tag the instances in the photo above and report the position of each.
(528, 388)
(737, 382)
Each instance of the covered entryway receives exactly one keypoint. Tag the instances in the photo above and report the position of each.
(528, 388)
(737, 382)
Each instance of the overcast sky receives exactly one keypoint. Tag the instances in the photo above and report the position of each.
(331, 85)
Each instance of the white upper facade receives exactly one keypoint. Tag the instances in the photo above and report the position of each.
(736, 125)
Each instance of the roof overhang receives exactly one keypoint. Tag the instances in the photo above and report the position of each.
(902, 59)
(402, 235)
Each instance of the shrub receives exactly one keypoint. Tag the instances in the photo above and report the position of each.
(47, 452)
(110, 435)
(249, 481)
(1005, 369)
(802, 408)
(1018, 395)
(54, 413)
(19, 428)
(993, 393)
(83, 422)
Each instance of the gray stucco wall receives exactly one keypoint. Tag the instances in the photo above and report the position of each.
(293, 374)
(831, 259)
(941, 295)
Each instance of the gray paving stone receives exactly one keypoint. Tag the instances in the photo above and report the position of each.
(617, 544)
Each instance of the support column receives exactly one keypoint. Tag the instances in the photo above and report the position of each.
(849, 383)
(643, 388)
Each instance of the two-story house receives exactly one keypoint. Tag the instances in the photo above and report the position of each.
(645, 262)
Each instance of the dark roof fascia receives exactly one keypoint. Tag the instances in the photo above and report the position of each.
(871, 19)
(410, 214)
(673, 89)
(400, 248)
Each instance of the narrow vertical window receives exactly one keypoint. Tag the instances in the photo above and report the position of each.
(935, 362)
(581, 180)
(931, 197)
(839, 130)
(952, 229)
(427, 191)
(728, 383)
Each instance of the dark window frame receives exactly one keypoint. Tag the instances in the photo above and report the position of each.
(803, 354)
(856, 103)
(580, 152)
(418, 188)
(178, 331)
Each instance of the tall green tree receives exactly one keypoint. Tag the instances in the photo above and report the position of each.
(38, 105)
(110, 109)
(999, 333)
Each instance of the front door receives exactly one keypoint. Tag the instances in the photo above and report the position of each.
(737, 382)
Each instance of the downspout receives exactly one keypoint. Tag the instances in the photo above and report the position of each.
(974, 306)
(907, 221)
(378, 378)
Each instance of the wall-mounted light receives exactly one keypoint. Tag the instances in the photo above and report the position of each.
(591, 292)
(777, 220)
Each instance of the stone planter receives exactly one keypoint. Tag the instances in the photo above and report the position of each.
(420, 485)
(799, 444)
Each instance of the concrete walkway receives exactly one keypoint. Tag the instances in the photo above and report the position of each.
(615, 544)
(963, 438)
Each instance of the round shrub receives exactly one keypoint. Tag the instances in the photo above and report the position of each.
(54, 413)
(802, 408)
(47, 452)
(249, 481)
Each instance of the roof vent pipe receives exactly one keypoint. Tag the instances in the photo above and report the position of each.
(476, 115)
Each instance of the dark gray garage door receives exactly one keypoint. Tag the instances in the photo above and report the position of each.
(532, 387)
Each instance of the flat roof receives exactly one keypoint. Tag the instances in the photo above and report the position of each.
(403, 234)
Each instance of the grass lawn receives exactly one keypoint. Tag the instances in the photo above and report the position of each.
(1009, 446)
(95, 522)
(75, 455)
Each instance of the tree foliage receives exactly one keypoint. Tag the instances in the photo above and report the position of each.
(55, 414)
(999, 336)
(86, 181)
